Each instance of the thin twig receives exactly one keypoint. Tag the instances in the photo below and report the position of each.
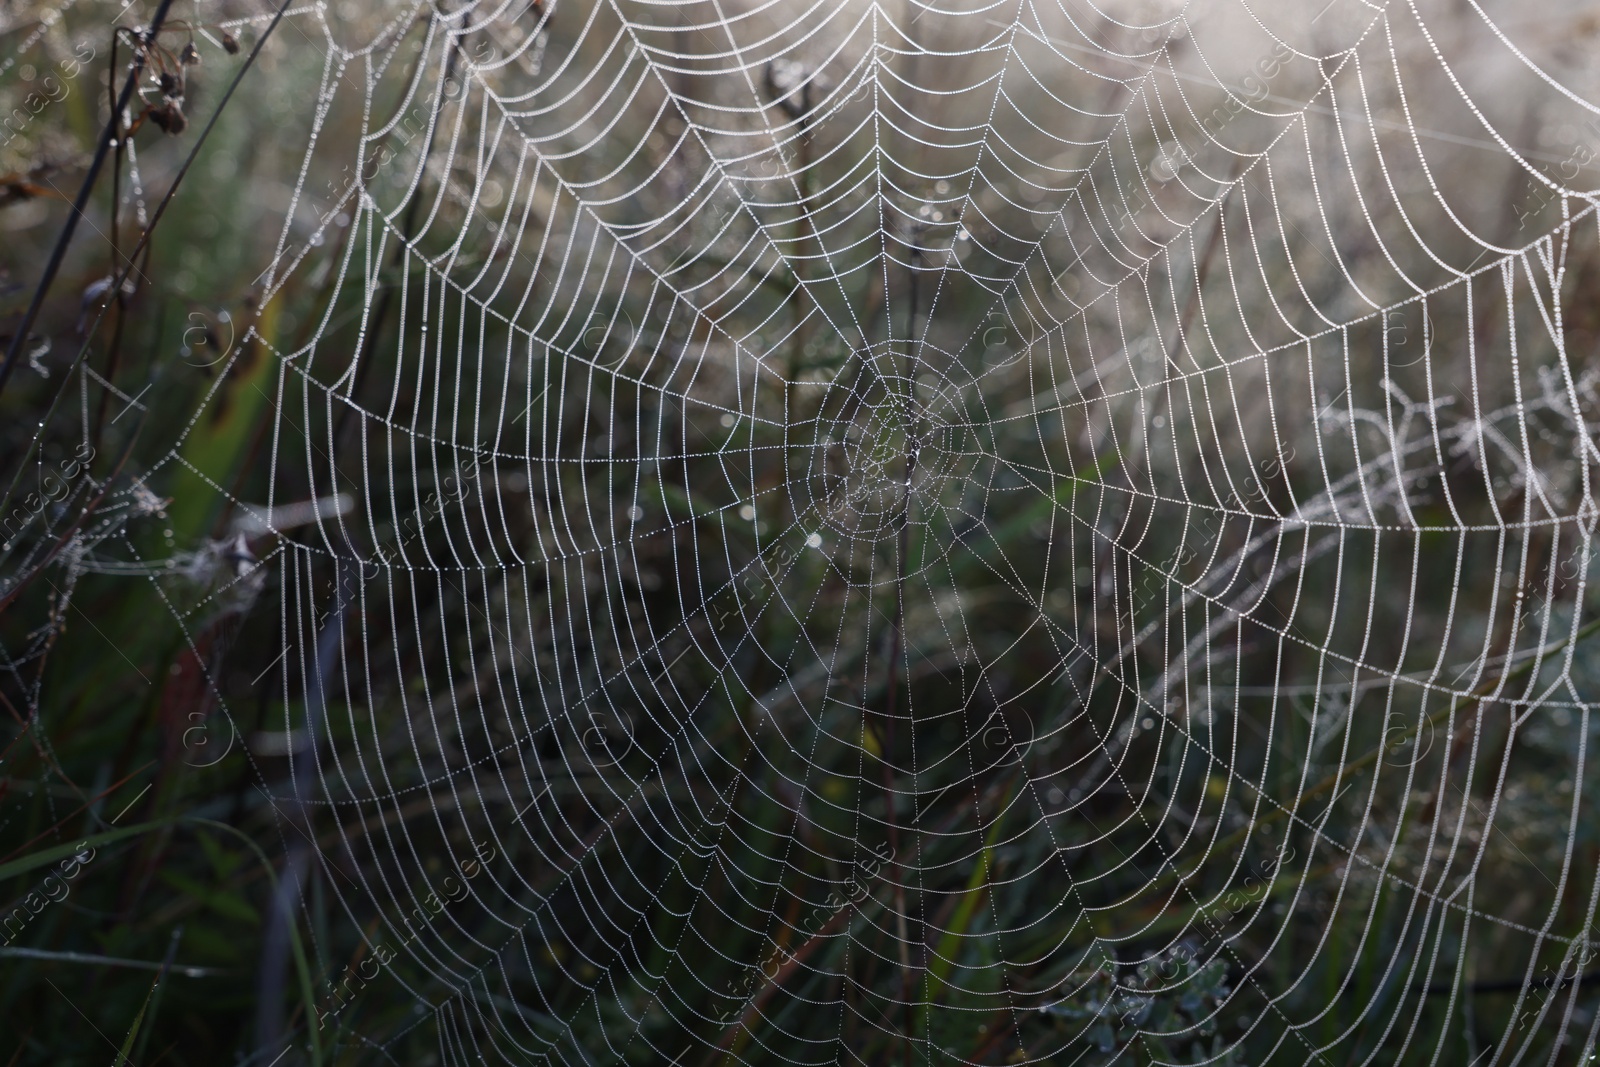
(144, 240)
(109, 137)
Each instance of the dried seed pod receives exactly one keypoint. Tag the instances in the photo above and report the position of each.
(190, 56)
(170, 117)
(230, 43)
(171, 84)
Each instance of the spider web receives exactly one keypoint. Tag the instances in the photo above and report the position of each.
(985, 533)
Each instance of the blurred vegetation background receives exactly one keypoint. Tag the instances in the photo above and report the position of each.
(729, 533)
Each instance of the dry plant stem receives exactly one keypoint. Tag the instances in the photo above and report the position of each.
(144, 240)
(116, 248)
(110, 135)
(791, 963)
(804, 234)
(794, 959)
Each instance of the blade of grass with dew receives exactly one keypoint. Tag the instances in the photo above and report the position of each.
(944, 962)
(153, 1001)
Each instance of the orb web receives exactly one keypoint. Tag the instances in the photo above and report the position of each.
(1029, 533)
